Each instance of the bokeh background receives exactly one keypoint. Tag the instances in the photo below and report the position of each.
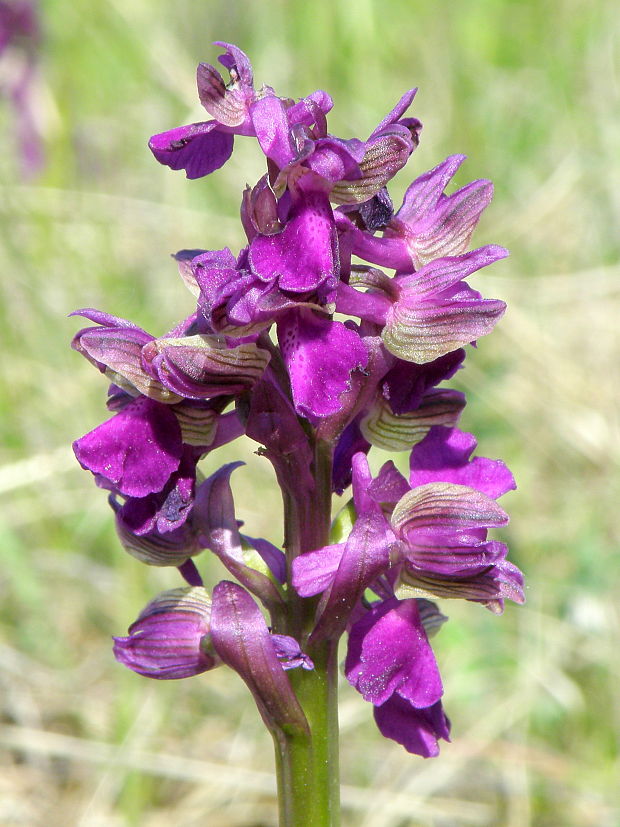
(530, 91)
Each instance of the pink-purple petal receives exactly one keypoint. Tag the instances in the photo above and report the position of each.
(320, 356)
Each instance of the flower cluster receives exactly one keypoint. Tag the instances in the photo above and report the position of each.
(263, 355)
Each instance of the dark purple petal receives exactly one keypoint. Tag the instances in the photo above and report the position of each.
(389, 485)
(418, 730)
(137, 450)
(199, 148)
(169, 639)
(241, 638)
(351, 442)
(320, 356)
(444, 456)
(389, 652)
(168, 509)
(377, 212)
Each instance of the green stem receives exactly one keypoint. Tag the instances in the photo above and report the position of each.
(307, 766)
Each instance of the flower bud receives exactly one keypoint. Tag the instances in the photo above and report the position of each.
(170, 639)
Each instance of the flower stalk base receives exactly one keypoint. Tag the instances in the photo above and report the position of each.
(307, 765)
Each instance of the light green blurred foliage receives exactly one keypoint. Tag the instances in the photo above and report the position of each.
(529, 90)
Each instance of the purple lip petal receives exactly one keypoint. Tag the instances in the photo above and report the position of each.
(137, 450)
(417, 730)
(320, 356)
(304, 256)
(388, 652)
(199, 148)
(444, 456)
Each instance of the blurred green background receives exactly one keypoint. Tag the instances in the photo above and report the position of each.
(530, 91)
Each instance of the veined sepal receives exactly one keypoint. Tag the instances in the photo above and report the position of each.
(203, 366)
(491, 586)
(120, 351)
(437, 312)
(198, 423)
(385, 155)
(393, 432)
(170, 638)
(446, 507)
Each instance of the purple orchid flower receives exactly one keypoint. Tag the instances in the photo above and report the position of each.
(391, 664)
(236, 109)
(332, 333)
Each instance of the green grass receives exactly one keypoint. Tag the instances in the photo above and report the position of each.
(529, 91)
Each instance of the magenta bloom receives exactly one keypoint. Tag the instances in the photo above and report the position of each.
(330, 331)
(391, 664)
